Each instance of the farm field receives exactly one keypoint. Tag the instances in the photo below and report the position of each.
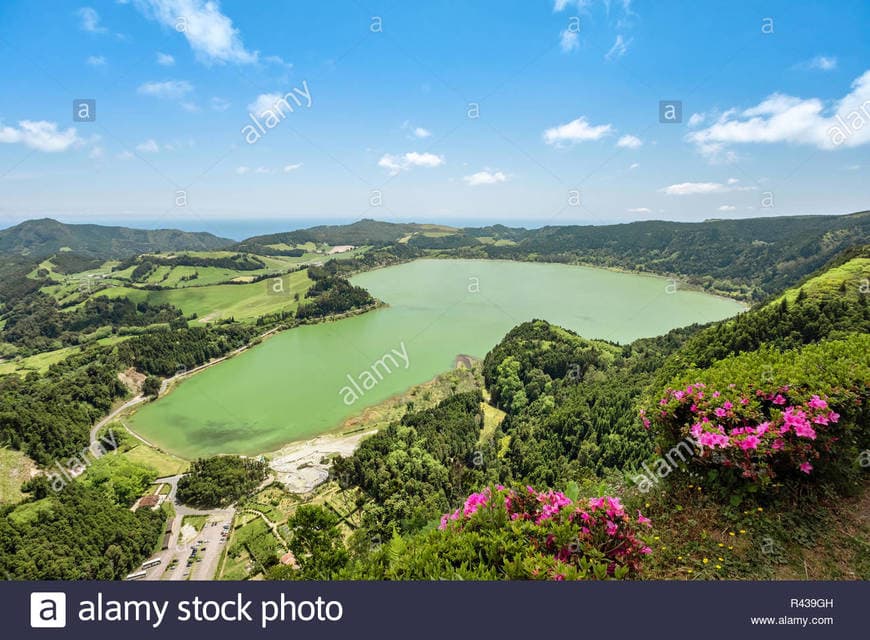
(239, 301)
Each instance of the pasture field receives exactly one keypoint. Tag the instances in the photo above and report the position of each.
(15, 468)
(39, 362)
(164, 463)
(239, 301)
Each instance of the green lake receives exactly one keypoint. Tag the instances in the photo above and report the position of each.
(295, 385)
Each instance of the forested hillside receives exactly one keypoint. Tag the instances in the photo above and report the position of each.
(42, 238)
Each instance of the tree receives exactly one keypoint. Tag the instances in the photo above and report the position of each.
(317, 543)
(151, 386)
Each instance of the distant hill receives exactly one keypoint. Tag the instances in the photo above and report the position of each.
(363, 232)
(746, 258)
(46, 237)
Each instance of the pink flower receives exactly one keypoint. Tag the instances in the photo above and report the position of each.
(611, 528)
(641, 519)
(713, 440)
(750, 442)
(806, 467)
(777, 444)
(833, 417)
(720, 412)
(817, 403)
(778, 399)
(805, 431)
(728, 406)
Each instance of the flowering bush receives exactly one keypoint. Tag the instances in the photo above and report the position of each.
(760, 433)
(564, 539)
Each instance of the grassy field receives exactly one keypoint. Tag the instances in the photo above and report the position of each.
(240, 301)
(164, 463)
(15, 468)
(853, 275)
(197, 522)
(40, 362)
(492, 417)
(29, 511)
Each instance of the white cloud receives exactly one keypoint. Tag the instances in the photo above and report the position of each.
(420, 132)
(578, 130)
(263, 170)
(124, 155)
(190, 107)
(485, 177)
(781, 118)
(569, 41)
(396, 164)
(696, 119)
(96, 61)
(696, 188)
(639, 210)
(40, 135)
(693, 188)
(629, 142)
(149, 146)
(242, 170)
(619, 48)
(633, 165)
(264, 102)
(96, 153)
(169, 89)
(209, 32)
(164, 59)
(727, 207)
(90, 20)
(291, 167)
(820, 63)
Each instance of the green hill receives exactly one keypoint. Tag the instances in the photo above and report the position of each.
(45, 237)
(363, 232)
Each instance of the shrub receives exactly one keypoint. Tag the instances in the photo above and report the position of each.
(520, 534)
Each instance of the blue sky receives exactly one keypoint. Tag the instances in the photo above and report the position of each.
(775, 100)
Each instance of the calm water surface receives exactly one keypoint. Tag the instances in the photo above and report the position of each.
(293, 385)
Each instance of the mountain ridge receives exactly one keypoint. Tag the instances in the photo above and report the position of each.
(44, 237)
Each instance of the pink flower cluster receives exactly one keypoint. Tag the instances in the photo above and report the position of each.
(602, 527)
(755, 431)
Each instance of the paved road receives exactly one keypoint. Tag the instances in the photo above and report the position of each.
(180, 550)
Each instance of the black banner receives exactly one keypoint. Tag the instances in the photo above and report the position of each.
(216, 610)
